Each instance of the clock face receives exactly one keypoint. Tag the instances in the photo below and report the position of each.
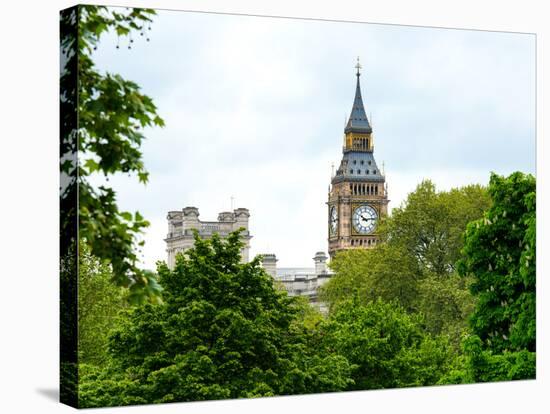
(364, 219)
(333, 220)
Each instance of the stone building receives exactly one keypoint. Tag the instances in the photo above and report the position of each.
(300, 281)
(358, 194)
(182, 222)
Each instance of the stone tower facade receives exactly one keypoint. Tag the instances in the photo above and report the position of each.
(182, 222)
(358, 192)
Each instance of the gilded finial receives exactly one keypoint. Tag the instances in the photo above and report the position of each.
(358, 67)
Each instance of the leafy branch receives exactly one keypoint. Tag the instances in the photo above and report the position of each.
(103, 137)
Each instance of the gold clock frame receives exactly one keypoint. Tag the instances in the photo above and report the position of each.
(354, 206)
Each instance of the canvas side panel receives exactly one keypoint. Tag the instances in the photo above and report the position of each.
(68, 157)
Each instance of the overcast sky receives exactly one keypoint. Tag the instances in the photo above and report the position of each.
(255, 109)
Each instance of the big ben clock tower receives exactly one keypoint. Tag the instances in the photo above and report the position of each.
(357, 196)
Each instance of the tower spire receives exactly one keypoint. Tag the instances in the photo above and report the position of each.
(358, 121)
(358, 67)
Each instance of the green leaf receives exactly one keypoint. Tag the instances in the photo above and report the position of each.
(91, 165)
(126, 215)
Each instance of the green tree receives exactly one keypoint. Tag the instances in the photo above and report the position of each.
(415, 264)
(99, 304)
(68, 327)
(387, 346)
(499, 252)
(102, 120)
(446, 304)
(481, 365)
(429, 225)
(386, 271)
(222, 331)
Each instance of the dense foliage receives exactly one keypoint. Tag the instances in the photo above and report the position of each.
(415, 265)
(387, 346)
(499, 252)
(398, 317)
(429, 225)
(99, 305)
(103, 117)
(223, 331)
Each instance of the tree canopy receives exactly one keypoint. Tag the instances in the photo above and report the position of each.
(415, 264)
(387, 346)
(430, 223)
(226, 330)
(103, 118)
(99, 305)
(500, 253)
(222, 331)
(499, 256)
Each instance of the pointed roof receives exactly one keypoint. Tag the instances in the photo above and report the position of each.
(358, 121)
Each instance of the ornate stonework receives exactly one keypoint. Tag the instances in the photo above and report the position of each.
(358, 194)
(182, 222)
